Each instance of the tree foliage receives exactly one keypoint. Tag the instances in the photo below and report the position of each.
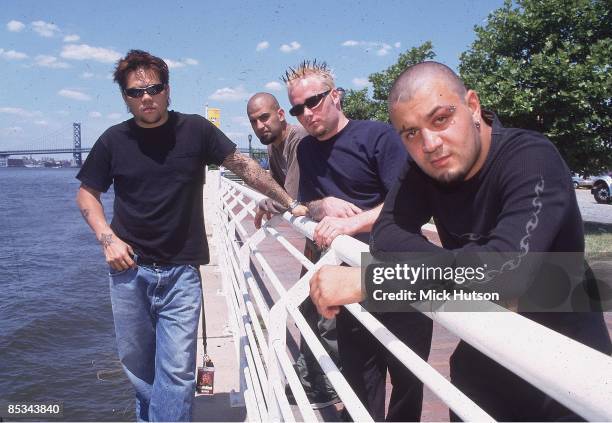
(545, 65)
(358, 105)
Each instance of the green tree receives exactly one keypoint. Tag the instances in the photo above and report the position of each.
(545, 65)
(358, 105)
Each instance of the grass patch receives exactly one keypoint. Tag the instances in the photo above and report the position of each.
(597, 238)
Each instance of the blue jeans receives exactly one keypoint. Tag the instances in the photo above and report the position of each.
(156, 311)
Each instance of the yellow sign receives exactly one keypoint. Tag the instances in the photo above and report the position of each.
(214, 115)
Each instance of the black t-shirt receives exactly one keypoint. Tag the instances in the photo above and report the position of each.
(158, 175)
(359, 164)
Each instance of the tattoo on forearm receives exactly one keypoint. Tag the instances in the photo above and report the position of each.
(85, 213)
(255, 176)
(106, 240)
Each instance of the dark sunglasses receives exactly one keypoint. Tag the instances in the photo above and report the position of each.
(310, 102)
(139, 92)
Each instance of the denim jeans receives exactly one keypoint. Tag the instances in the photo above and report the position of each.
(156, 311)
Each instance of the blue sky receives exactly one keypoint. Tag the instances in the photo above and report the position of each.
(56, 57)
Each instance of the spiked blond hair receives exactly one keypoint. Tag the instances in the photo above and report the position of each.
(308, 68)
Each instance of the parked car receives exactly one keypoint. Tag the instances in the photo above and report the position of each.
(602, 186)
(580, 182)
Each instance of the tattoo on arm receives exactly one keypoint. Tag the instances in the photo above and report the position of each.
(106, 239)
(255, 176)
(85, 213)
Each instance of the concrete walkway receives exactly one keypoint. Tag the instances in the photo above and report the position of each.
(221, 345)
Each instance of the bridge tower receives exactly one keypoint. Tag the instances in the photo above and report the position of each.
(76, 136)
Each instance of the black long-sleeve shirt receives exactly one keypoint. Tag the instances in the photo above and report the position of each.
(521, 201)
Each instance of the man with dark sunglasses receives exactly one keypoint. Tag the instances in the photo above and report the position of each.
(282, 139)
(346, 169)
(156, 240)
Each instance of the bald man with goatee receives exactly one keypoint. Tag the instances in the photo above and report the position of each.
(270, 126)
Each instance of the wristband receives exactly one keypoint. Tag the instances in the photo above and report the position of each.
(293, 205)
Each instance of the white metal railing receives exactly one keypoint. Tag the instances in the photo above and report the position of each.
(575, 375)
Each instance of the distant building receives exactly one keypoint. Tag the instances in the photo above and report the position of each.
(15, 163)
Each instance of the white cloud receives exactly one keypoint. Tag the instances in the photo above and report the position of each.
(292, 46)
(262, 46)
(12, 55)
(50, 62)
(173, 64)
(15, 26)
(87, 75)
(382, 49)
(45, 29)
(397, 44)
(41, 122)
(86, 52)
(230, 94)
(274, 86)
(95, 114)
(360, 82)
(73, 94)
(71, 38)
(113, 116)
(19, 112)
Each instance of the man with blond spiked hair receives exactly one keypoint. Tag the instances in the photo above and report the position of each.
(346, 169)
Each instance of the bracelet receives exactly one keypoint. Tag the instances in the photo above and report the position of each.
(293, 205)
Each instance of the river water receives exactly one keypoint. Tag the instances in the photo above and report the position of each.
(56, 328)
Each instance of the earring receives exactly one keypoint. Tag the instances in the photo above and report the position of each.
(477, 123)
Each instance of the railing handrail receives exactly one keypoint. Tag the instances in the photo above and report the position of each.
(575, 375)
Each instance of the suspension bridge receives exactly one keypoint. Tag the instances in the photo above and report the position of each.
(67, 140)
(52, 143)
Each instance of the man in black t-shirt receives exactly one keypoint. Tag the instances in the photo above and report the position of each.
(346, 169)
(156, 240)
(489, 189)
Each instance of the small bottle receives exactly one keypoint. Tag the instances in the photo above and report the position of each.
(206, 376)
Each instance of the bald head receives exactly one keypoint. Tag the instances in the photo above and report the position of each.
(263, 99)
(267, 119)
(420, 75)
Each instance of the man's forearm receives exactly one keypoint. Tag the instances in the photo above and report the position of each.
(365, 221)
(256, 177)
(92, 211)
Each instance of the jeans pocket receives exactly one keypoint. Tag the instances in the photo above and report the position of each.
(114, 273)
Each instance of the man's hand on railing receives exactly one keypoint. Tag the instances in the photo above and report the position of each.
(332, 206)
(299, 210)
(259, 214)
(267, 207)
(333, 286)
(330, 227)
